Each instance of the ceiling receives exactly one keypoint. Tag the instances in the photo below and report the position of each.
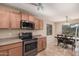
(55, 12)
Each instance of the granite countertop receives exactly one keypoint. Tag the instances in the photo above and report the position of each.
(9, 41)
(38, 36)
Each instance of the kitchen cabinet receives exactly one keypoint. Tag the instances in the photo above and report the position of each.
(41, 24)
(10, 18)
(37, 24)
(4, 17)
(15, 18)
(31, 18)
(4, 53)
(24, 16)
(41, 43)
(36, 21)
(14, 49)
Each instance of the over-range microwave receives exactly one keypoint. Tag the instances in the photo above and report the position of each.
(27, 25)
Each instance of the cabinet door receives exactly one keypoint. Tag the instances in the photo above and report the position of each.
(37, 25)
(44, 42)
(25, 16)
(41, 24)
(15, 18)
(17, 51)
(4, 18)
(40, 45)
(31, 18)
(4, 53)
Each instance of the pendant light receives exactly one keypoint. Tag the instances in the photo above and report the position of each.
(66, 23)
(39, 6)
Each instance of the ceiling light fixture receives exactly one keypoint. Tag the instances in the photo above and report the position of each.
(38, 5)
(67, 23)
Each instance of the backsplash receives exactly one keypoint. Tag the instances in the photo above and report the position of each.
(8, 33)
(14, 33)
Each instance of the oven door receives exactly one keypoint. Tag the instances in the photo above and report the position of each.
(30, 48)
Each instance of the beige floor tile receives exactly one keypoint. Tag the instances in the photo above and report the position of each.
(54, 50)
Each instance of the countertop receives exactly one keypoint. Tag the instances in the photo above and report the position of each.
(37, 36)
(9, 41)
(6, 41)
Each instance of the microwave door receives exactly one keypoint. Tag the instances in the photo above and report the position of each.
(27, 25)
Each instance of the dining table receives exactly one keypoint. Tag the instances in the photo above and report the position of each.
(66, 40)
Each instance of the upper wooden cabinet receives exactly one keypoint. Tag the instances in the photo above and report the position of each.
(37, 24)
(15, 18)
(4, 17)
(24, 16)
(41, 24)
(10, 18)
(31, 18)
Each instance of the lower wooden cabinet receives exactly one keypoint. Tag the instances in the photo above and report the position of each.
(11, 49)
(4, 53)
(41, 43)
(15, 51)
(44, 42)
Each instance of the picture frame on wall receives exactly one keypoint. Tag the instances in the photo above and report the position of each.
(49, 29)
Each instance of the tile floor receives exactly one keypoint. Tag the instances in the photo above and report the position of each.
(54, 50)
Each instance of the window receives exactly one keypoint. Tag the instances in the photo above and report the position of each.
(69, 30)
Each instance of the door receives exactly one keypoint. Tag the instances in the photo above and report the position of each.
(24, 16)
(44, 42)
(4, 17)
(15, 18)
(4, 53)
(40, 44)
(41, 24)
(31, 18)
(37, 24)
(17, 51)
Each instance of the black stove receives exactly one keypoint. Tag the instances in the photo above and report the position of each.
(29, 44)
